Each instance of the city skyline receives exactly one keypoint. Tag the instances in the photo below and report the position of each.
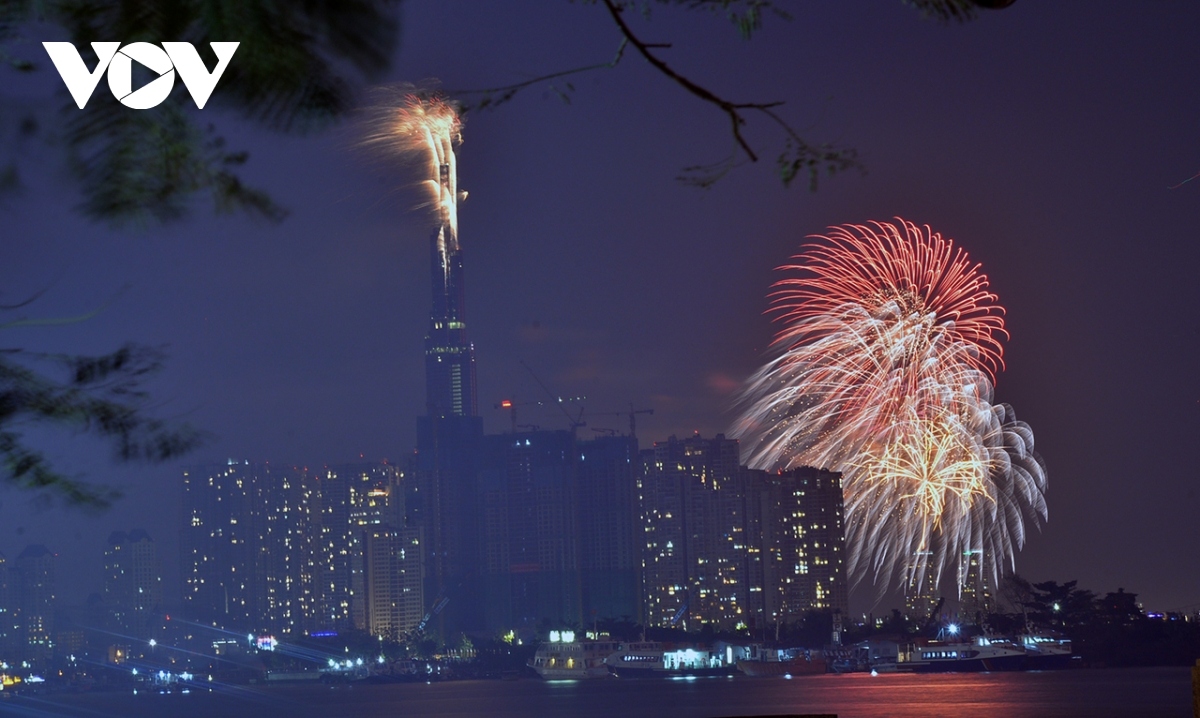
(312, 353)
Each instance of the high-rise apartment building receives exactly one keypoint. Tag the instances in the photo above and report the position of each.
(975, 587)
(354, 499)
(247, 547)
(530, 542)
(8, 612)
(393, 584)
(609, 551)
(36, 586)
(802, 543)
(921, 593)
(732, 547)
(698, 550)
(132, 581)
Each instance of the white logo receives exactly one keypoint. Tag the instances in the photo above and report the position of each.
(164, 60)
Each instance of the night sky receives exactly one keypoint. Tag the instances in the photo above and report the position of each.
(1043, 138)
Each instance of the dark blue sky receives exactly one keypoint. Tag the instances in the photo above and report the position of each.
(1042, 137)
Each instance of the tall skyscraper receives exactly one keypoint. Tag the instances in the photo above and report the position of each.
(132, 581)
(449, 356)
(444, 502)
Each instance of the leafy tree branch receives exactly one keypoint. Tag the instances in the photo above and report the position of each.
(295, 71)
(799, 156)
(101, 396)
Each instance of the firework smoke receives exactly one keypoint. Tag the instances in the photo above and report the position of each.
(424, 126)
(884, 372)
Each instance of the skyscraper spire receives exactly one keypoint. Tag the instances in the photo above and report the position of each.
(449, 356)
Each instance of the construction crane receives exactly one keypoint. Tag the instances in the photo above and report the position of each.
(575, 422)
(415, 634)
(632, 414)
(511, 406)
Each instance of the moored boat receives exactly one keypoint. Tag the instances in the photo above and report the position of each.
(651, 659)
(1043, 653)
(979, 654)
(782, 662)
(564, 658)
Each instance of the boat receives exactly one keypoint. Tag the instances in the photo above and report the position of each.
(564, 658)
(782, 662)
(1043, 653)
(978, 654)
(652, 659)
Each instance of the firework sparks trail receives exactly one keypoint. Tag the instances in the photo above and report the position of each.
(426, 127)
(889, 344)
(1189, 179)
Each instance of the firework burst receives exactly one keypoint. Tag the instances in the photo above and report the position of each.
(424, 127)
(889, 346)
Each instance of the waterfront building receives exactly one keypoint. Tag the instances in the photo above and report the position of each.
(697, 549)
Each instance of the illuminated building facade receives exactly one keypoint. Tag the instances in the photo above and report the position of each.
(733, 547)
(802, 543)
(393, 584)
(354, 499)
(247, 547)
(975, 590)
(132, 581)
(921, 597)
(449, 356)
(697, 552)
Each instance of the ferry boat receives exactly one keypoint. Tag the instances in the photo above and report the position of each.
(782, 662)
(979, 654)
(564, 658)
(651, 659)
(1046, 652)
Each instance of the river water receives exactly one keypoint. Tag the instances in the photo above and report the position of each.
(1147, 692)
